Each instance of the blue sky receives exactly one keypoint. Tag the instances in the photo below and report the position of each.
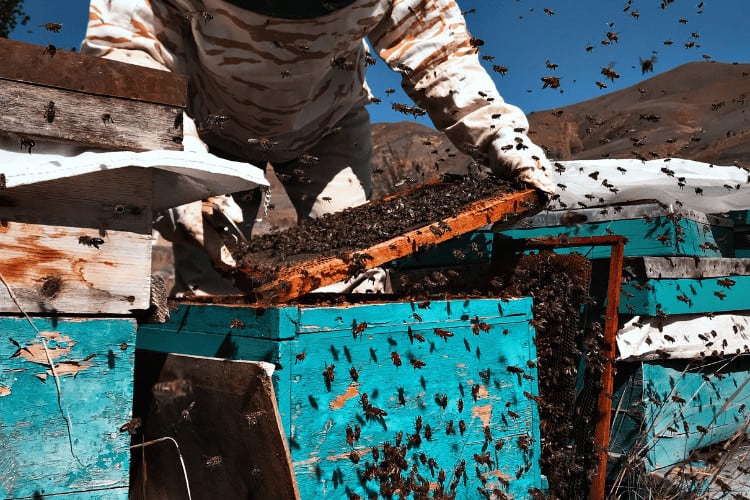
(522, 36)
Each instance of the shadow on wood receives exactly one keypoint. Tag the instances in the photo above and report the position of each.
(224, 417)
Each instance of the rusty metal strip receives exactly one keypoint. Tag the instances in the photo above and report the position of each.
(604, 403)
(305, 277)
(35, 64)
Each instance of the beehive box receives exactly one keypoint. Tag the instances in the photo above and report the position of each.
(350, 379)
(68, 443)
(668, 408)
(685, 285)
(66, 97)
(79, 245)
(651, 229)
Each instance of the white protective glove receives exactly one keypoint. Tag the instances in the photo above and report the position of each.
(514, 156)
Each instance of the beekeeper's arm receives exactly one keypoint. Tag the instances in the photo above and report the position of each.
(428, 42)
(131, 31)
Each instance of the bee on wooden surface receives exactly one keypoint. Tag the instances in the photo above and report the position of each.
(443, 333)
(417, 317)
(475, 391)
(483, 459)
(449, 428)
(684, 298)
(49, 112)
(441, 400)
(677, 399)
(308, 159)
(236, 323)
(514, 369)
(513, 415)
(358, 328)
(354, 456)
(487, 434)
(417, 364)
(213, 120)
(51, 50)
(396, 359)
(328, 373)
(427, 432)
(132, 425)
(354, 374)
(418, 336)
(721, 295)
(369, 60)
(90, 241)
(485, 375)
(300, 357)
(669, 338)
(524, 441)
(726, 282)
(26, 143)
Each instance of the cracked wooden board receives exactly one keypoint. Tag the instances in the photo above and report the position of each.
(296, 280)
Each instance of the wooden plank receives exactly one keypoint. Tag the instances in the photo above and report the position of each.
(91, 75)
(87, 120)
(684, 296)
(47, 264)
(42, 455)
(659, 236)
(223, 415)
(307, 276)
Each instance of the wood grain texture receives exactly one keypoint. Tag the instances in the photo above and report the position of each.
(223, 415)
(315, 413)
(88, 120)
(37, 456)
(51, 269)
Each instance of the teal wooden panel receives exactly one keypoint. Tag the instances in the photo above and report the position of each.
(646, 237)
(387, 316)
(239, 320)
(321, 412)
(487, 334)
(684, 296)
(671, 411)
(94, 358)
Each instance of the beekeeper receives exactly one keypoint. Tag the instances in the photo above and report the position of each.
(283, 82)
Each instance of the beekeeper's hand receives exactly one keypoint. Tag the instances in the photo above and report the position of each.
(212, 224)
(514, 156)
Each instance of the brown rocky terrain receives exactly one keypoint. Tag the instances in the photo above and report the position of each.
(698, 111)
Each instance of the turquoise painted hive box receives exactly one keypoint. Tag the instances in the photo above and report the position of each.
(66, 442)
(388, 398)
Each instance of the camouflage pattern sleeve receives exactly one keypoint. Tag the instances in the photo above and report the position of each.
(427, 41)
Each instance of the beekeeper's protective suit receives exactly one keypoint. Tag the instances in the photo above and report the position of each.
(283, 81)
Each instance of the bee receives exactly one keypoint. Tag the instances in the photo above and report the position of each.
(487, 433)
(369, 60)
(461, 427)
(26, 143)
(443, 333)
(417, 364)
(552, 82)
(300, 357)
(408, 110)
(684, 298)
(132, 425)
(185, 414)
(90, 241)
(514, 369)
(417, 317)
(418, 336)
(390, 91)
(354, 373)
(449, 428)
(441, 400)
(483, 459)
(610, 73)
(721, 295)
(476, 42)
(213, 120)
(513, 415)
(308, 159)
(460, 405)
(601, 85)
(549, 12)
(51, 50)
(524, 441)
(677, 399)
(485, 375)
(236, 323)
(669, 338)
(358, 328)
(396, 359)
(475, 392)
(49, 112)
(354, 456)
(328, 373)
(428, 432)
(726, 282)
(53, 27)
(503, 70)
(204, 15)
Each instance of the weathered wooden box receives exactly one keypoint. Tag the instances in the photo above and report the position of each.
(667, 409)
(651, 230)
(685, 285)
(60, 96)
(451, 382)
(79, 245)
(65, 444)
